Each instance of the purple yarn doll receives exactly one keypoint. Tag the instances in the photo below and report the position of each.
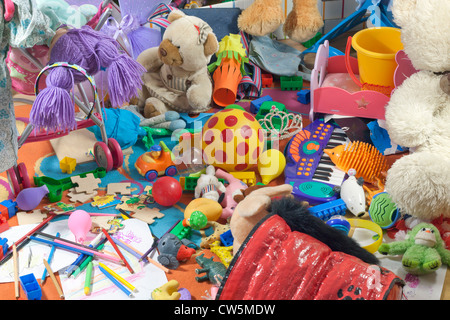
(94, 51)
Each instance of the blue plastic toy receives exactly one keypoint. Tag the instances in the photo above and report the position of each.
(227, 238)
(256, 104)
(328, 209)
(31, 287)
(304, 96)
(3, 247)
(340, 223)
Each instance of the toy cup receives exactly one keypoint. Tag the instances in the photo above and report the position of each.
(80, 223)
(226, 80)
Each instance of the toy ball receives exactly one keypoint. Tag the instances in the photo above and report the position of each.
(79, 223)
(198, 220)
(167, 191)
(232, 139)
(383, 211)
(199, 211)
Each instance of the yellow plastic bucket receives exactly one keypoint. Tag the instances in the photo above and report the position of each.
(376, 49)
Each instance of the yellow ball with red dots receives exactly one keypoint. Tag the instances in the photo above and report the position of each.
(232, 139)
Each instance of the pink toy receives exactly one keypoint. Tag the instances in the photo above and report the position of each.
(334, 91)
(30, 198)
(80, 223)
(233, 188)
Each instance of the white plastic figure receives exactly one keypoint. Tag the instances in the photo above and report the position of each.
(209, 186)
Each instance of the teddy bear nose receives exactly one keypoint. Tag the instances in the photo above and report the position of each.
(163, 52)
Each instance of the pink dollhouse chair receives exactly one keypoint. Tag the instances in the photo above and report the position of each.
(333, 91)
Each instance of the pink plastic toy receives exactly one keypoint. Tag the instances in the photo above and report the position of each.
(232, 189)
(80, 223)
(29, 198)
(334, 92)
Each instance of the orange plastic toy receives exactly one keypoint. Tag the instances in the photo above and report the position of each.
(363, 157)
(156, 162)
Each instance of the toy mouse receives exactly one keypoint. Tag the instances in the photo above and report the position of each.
(352, 193)
(423, 250)
(173, 250)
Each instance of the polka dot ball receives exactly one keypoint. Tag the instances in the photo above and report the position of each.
(232, 139)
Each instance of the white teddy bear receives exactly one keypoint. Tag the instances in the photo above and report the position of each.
(208, 186)
(418, 113)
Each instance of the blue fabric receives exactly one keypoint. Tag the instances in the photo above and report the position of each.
(122, 125)
(274, 56)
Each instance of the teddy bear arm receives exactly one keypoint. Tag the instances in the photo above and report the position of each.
(200, 91)
(150, 60)
(410, 112)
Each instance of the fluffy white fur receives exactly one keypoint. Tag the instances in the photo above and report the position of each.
(418, 114)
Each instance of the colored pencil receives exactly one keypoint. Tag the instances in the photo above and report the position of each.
(68, 242)
(75, 249)
(155, 242)
(50, 257)
(91, 251)
(116, 282)
(70, 269)
(25, 239)
(87, 281)
(138, 254)
(16, 271)
(118, 277)
(55, 282)
(84, 264)
(117, 250)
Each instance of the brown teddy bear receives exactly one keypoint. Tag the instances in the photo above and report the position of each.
(263, 17)
(177, 77)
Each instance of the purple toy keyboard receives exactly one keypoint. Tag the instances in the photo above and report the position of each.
(308, 169)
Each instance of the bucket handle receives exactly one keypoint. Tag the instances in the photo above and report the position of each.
(347, 63)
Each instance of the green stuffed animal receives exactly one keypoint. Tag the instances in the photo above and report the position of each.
(423, 250)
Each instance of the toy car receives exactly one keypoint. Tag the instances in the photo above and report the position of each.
(156, 162)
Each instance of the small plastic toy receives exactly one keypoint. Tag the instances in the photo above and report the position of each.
(218, 229)
(201, 210)
(3, 247)
(234, 185)
(168, 291)
(291, 83)
(423, 251)
(247, 177)
(267, 80)
(383, 211)
(31, 287)
(352, 192)
(225, 254)
(56, 187)
(346, 156)
(8, 208)
(256, 104)
(215, 271)
(227, 238)
(29, 198)
(232, 139)
(209, 186)
(79, 223)
(339, 222)
(172, 250)
(67, 165)
(304, 96)
(326, 210)
(271, 165)
(156, 162)
(167, 191)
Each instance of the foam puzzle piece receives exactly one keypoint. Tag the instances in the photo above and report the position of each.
(88, 184)
(119, 187)
(139, 209)
(148, 214)
(81, 196)
(30, 217)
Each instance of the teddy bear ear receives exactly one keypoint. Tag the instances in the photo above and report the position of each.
(211, 45)
(402, 10)
(174, 15)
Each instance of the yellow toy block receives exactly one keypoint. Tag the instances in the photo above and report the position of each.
(247, 177)
(68, 165)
